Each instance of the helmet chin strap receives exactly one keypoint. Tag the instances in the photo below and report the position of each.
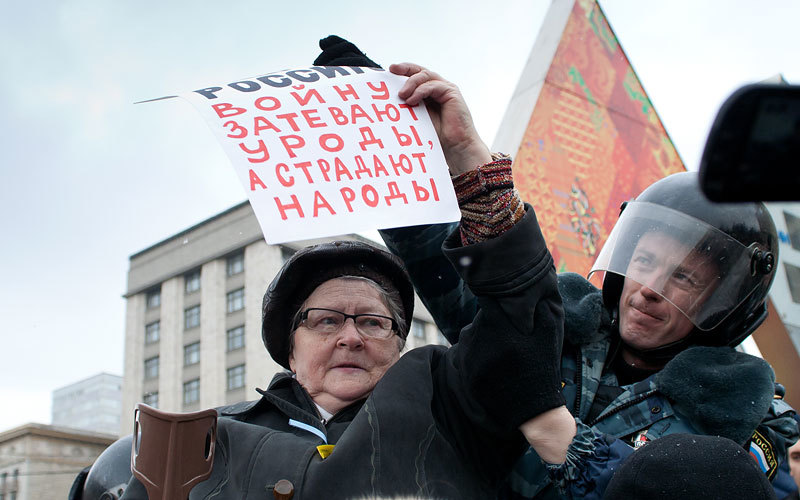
(656, 355)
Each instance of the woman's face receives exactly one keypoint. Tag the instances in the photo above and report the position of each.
(340, 368)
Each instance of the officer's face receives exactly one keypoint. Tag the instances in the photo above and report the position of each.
(646, 319)
(794, 462)
(340, 368)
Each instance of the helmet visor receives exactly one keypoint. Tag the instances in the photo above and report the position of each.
(699, 269)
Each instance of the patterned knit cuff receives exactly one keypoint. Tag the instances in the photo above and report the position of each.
(489, 204)
(486, 178)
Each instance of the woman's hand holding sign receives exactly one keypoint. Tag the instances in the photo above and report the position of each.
(549, 433)
(463, 148)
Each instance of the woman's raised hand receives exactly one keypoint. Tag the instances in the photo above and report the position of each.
(463, 148)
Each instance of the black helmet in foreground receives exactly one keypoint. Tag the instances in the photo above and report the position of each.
(108, 478)
(314, 265)
(735, 242)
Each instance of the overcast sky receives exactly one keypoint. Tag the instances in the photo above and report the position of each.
(88, 178)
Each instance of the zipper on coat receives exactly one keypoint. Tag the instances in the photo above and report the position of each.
(621, 407)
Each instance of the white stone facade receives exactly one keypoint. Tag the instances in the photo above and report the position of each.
(785, 291)
(40, 462)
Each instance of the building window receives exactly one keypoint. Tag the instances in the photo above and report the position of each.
(191, 354)
(152, 332)
(235, 338)
(235, 264)
(191, 317)
(191, 391)
(793, 228)
(151, 399)
(793, 278)
(418, 329)
(191, 281)
(12, 495)
(235, 377)
(153, 298)
(151, 368)
(236, 300)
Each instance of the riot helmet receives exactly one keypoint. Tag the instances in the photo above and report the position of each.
(108, 478)
(735, 245)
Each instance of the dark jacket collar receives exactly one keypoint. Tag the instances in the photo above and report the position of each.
(287, 396)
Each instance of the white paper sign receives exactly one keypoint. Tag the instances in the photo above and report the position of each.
(324, 151)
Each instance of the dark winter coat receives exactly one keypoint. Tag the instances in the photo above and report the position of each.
(442, 423)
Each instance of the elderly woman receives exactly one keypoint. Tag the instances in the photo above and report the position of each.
(351, 417)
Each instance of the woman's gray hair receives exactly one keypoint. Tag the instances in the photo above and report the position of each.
(391, 298)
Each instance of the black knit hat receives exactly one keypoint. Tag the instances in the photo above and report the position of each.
(689, 466)
(314, 265)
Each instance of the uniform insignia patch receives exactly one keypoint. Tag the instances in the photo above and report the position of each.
(640, 440)
(762, 452)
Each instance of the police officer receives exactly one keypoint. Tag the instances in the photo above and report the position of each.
(651, 353)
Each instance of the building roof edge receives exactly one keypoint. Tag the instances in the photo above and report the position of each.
(190, 229)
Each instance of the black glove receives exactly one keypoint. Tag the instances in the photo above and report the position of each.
(336, 51)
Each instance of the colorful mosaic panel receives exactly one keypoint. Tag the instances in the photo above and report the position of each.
(593, 141)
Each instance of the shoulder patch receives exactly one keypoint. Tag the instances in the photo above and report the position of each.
(761, 451)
